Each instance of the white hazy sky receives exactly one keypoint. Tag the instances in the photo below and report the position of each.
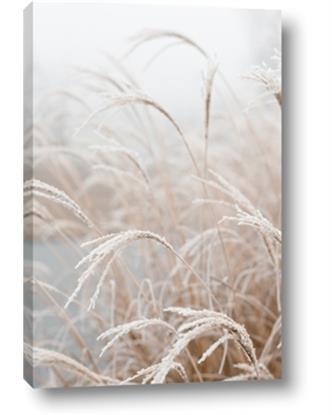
(67, 35)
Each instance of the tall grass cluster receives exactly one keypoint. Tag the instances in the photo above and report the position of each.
(161, 257)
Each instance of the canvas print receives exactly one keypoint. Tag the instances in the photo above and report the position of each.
(152, 195)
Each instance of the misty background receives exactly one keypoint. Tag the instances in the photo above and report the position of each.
(71, 36)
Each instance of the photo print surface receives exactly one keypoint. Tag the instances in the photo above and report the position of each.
(152, 195)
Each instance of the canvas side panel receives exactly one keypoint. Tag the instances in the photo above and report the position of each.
(28, 372)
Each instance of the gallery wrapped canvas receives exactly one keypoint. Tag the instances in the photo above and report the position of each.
(152, 195)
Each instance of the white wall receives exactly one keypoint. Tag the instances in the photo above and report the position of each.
(307, 210)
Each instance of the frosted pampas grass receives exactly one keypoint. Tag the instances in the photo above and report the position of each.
(214, 347)
(205, 319)
(199, 323)
(36, 187)
(257, 221)
(202, 322)
(211, 73)
(142, 99)
(119, 331)
(148, 35)
(110, 246)
(133, 157)
(37, 356)
(268, 77)
(247, 213)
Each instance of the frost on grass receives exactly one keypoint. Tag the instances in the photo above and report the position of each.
(269, 77)
(38, 188)
(201, 299)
